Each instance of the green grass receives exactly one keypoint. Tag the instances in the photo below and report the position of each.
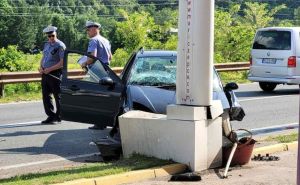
(234, 76)
(283, 138)
(18, 97)
(21, 92)
(135, 162)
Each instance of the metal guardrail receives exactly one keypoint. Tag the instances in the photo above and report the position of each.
(25, 77)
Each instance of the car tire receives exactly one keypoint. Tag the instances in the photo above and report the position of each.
(267, 86)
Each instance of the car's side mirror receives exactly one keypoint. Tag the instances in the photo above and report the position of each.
(106, 81)
(231, 86)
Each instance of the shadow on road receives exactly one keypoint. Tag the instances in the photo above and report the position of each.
(63, 143)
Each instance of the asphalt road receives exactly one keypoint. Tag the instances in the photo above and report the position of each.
(27, 146)
(268, 109)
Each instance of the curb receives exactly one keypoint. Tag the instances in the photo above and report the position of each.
(129, 177)
(275, 148)
(152, 173)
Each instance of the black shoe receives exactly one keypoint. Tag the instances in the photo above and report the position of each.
(49, 120)
(57, 120)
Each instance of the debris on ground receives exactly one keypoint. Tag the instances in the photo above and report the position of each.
(267, 157)
(190, 176)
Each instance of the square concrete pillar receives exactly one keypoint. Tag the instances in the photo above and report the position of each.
(194, 141)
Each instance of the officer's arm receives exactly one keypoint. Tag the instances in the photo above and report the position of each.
(59, 65)
(90, 60)
(92, 50)
(110, 56)
(41, 68)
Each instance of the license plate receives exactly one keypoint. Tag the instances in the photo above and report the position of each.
(269, 60)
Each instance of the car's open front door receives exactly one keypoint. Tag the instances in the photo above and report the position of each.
(95, 96)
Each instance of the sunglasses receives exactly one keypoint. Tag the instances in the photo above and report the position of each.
(93, 26)
(49, 36)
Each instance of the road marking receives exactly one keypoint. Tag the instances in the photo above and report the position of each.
(269, 97)
(46, 161)
(23, 102)
(13, 125)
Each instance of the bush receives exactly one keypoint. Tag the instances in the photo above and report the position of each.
(13, 60)
(120, 58)
(12, 89)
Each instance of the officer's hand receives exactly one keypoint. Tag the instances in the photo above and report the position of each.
(41, 70)
(46, 71)
(84, 64)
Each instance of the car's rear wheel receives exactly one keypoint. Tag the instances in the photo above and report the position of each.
(267, 86)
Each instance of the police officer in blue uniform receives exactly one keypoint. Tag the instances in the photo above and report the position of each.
(51, 69)
(98, 46)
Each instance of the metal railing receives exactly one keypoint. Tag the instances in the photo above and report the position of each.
(25, 77)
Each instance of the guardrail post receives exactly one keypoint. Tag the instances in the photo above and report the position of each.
(1, 90)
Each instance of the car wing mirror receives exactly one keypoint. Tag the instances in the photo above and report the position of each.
(231, 86)
(106, 81)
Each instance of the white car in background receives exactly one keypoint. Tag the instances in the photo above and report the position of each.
(275, 57)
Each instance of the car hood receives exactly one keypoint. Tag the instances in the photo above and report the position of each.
(156, 99)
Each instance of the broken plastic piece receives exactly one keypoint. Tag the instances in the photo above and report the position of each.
(190, 176)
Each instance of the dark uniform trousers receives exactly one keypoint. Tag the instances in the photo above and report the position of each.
(51, 85)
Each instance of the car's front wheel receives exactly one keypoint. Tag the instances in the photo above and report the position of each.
(267, 86)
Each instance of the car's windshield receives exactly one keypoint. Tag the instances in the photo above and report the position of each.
(159, 71)
(154, 71)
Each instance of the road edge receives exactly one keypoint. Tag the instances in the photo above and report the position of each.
(152, 173)
(132, 176)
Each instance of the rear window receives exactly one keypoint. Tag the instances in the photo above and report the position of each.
(273, 40)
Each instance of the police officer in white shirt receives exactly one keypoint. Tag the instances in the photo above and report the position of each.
(98, 47)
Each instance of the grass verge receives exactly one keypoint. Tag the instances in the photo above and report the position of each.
(136, 162)
(234, 76)
(19, 97)
(283, 138)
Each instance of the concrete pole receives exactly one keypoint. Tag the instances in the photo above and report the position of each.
(195, 52)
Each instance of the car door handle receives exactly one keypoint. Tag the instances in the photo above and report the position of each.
(74, 88)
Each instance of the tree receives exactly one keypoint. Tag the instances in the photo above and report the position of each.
(133, 32)
(257, 15)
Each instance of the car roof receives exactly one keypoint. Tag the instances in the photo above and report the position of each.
(154, 53)
(279, 28)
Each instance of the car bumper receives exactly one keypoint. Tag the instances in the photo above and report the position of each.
(285, 80)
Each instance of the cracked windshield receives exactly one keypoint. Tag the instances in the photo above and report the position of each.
(154, 71)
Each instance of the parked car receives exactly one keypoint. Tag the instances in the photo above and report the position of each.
(147, 83)
(275, 57)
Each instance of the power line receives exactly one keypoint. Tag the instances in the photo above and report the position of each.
(88, 6)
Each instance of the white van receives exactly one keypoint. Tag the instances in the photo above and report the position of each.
(275, 57)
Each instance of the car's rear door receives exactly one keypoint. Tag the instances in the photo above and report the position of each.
(84, 98)
(271, 52)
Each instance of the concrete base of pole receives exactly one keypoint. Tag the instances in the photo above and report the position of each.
(196, 142)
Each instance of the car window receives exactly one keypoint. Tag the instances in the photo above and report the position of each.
(272, 40)
(96, 71)
(91, 73)
(160, 71)
(217, 85)
(153, 71)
